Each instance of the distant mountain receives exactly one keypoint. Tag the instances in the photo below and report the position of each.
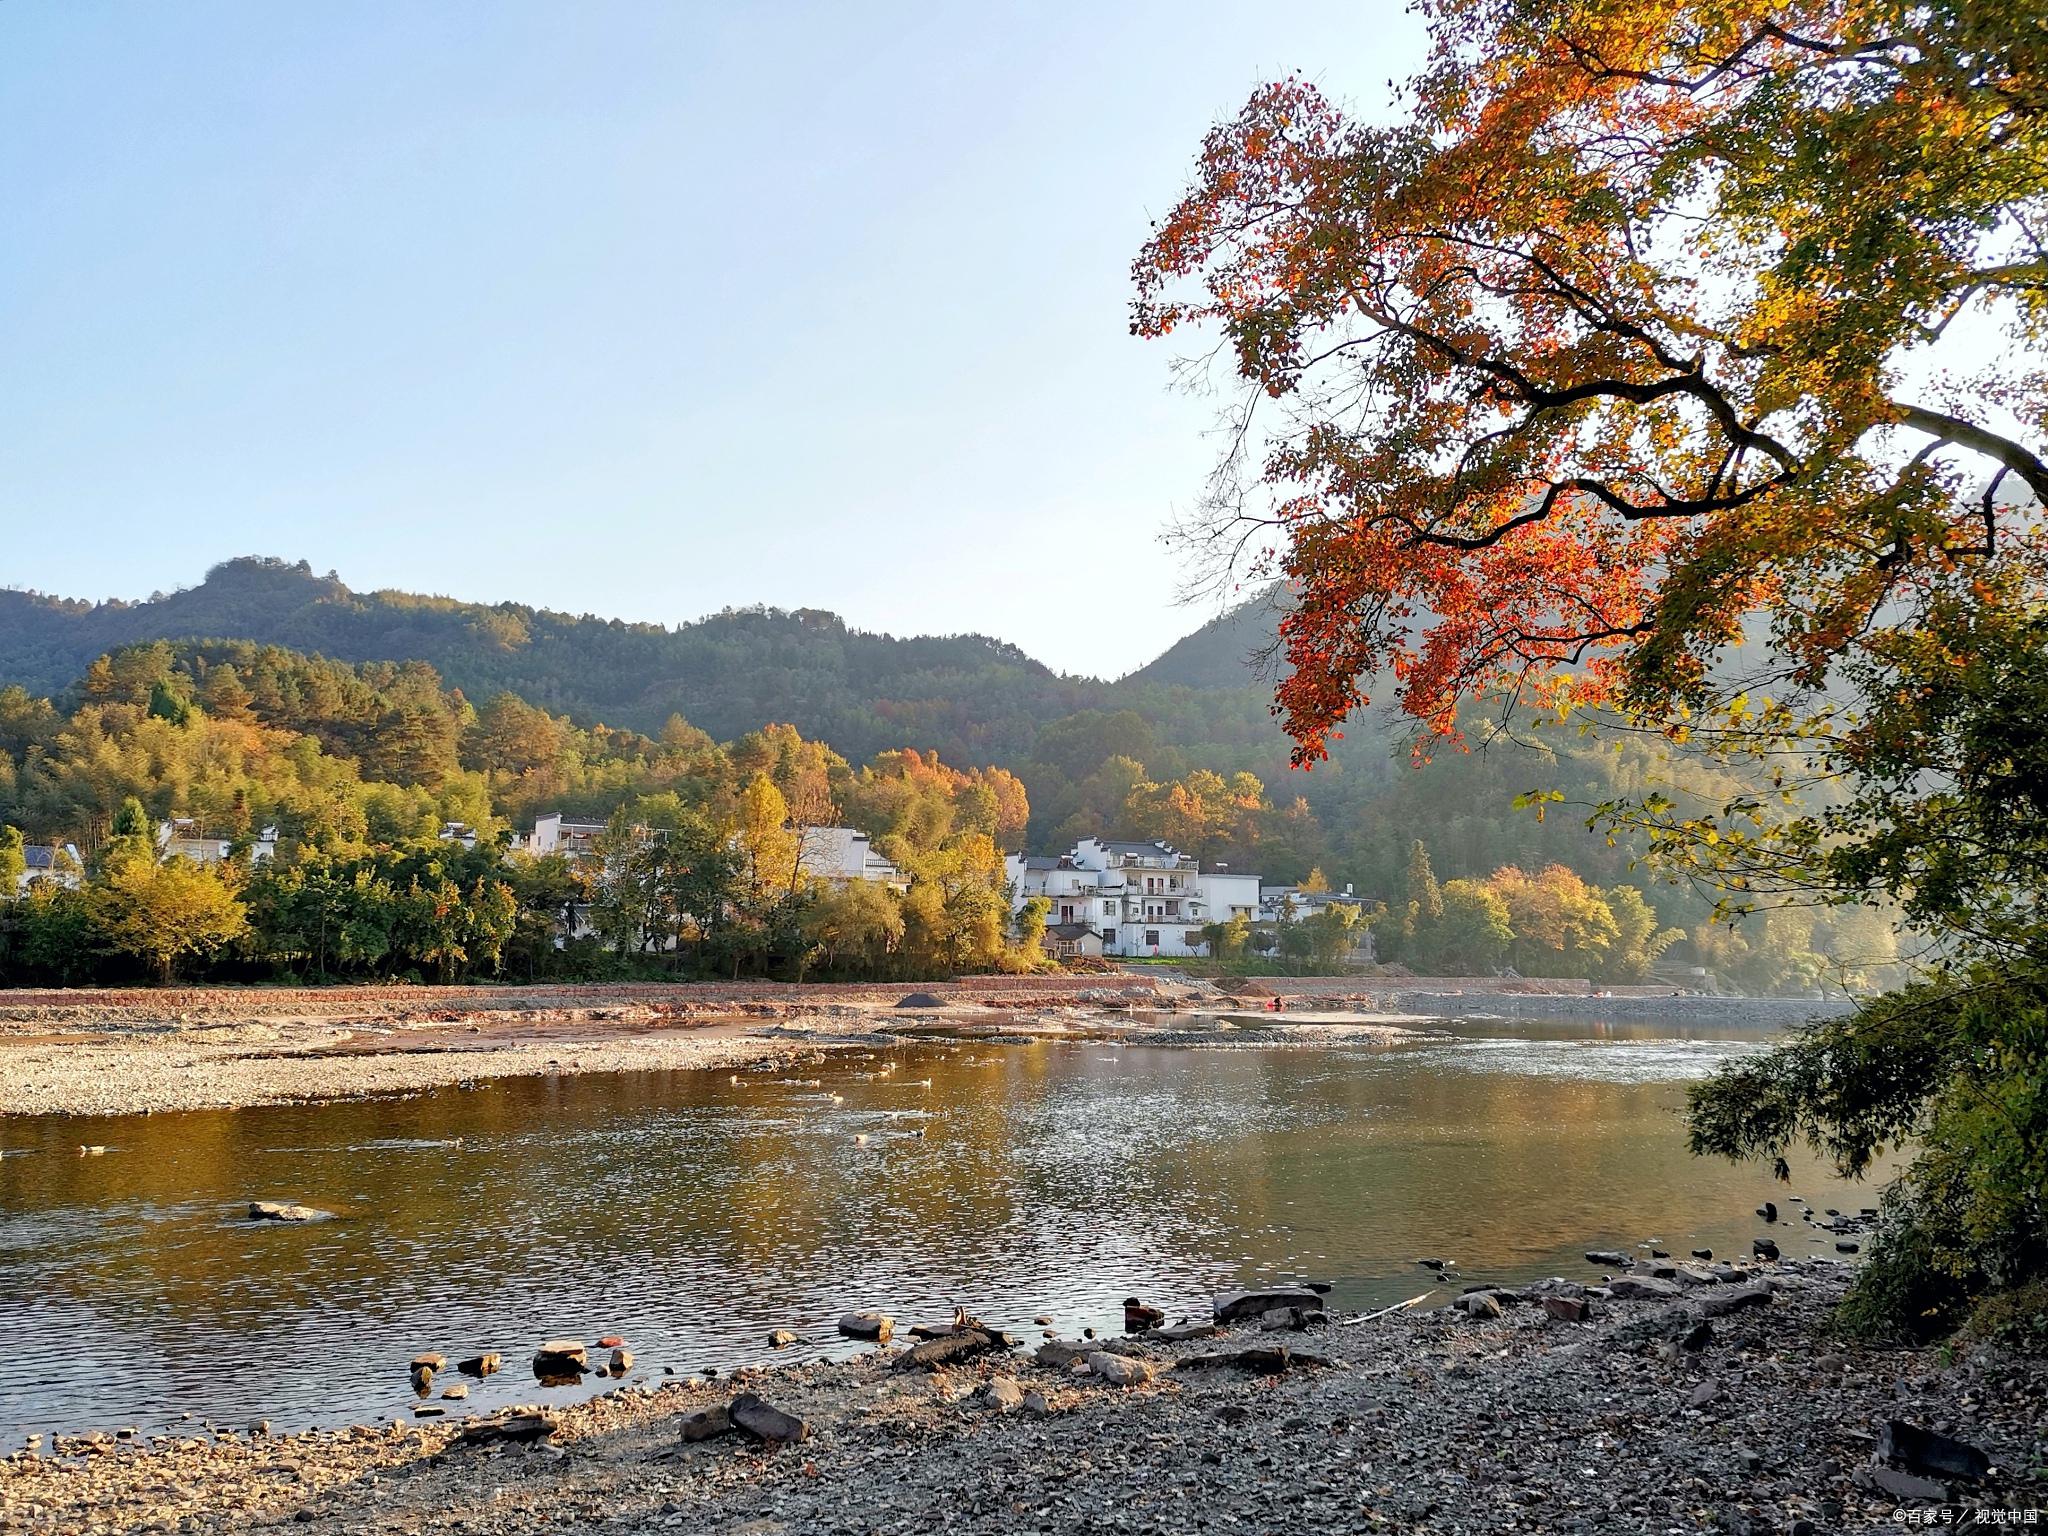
(969, 696)
(1232, 650)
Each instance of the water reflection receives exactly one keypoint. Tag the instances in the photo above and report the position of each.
(691, 1213)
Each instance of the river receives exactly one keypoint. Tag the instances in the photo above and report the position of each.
(692, 1212)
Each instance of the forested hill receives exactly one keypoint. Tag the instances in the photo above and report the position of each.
(1230, 651)
(969, 696)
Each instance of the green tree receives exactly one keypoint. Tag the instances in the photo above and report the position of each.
(13, 862)
(1476, 931)
(165, 915)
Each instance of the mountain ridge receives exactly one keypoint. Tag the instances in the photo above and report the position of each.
(970, 695)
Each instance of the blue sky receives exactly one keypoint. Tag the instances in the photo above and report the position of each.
(640, 310)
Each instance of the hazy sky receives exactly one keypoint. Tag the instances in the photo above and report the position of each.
(640, 310)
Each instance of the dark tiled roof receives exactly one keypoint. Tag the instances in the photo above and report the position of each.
(1071, 931)
(1040, 861)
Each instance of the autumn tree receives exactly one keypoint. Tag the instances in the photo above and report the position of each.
(1652, 329)
(166, 914)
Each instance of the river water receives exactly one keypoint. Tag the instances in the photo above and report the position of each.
(691, 1213)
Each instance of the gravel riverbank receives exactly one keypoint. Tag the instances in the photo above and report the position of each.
(143, 1053)
(1691, 1406)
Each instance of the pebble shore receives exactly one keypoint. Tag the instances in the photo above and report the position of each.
(1665, 1411)
(228, 1050)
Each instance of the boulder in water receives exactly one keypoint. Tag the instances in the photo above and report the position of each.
(274, 1210)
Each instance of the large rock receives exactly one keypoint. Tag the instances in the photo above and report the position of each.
(1929, 1453)
(1724, 1300)
(1293, 1319)
(1180, 1333)
(479, 1365)
(517, 1427)
(272, 1210)
(1058, 1354)
(867, 1325)
(1763, 1248)
(1897, 1483)
(1242, 1306)
(949, 1349)
(1479, 1304)
(1633, 1288)
(1607, 1258)
(561, 1357)
(1568, 1309)
(707, 1423)
(1003, 1394)
(770, 1425)
(1121, 1370)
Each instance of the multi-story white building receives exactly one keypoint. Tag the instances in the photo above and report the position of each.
(840, 854)
(555, 833)
(1143, 898)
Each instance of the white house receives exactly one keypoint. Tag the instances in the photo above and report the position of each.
(555, 833)
(457, 832)
(44, 864)
(182, 837)
(840, 854)
(1280, 904)
(1142, 898)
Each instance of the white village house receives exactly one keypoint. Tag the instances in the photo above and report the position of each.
(1137, 898)
(837, 854)
(182, 837)
(1280, 904)
(50, 864)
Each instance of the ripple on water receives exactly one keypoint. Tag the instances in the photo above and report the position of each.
(692, 1214)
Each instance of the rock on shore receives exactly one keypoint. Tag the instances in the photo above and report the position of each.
(1441, 1422)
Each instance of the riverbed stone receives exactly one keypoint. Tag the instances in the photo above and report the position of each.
(1608, 1258)
(782, 1338)
(758, 1419)
(1634, 1288)
(707, 1423)
(1003, 1394)
(1727, 1300)
(479, 1365)
(948, 1349)
(275, 1210)
(873, 1326)
(561, 1357)
(1121, 1370)
(1568, 1309)
(1929, 1452)
(1242, 1306)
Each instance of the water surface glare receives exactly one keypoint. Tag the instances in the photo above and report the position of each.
(692, 1214)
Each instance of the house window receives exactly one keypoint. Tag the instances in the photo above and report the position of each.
(1151, 938)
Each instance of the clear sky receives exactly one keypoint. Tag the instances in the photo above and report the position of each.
(635, 309)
